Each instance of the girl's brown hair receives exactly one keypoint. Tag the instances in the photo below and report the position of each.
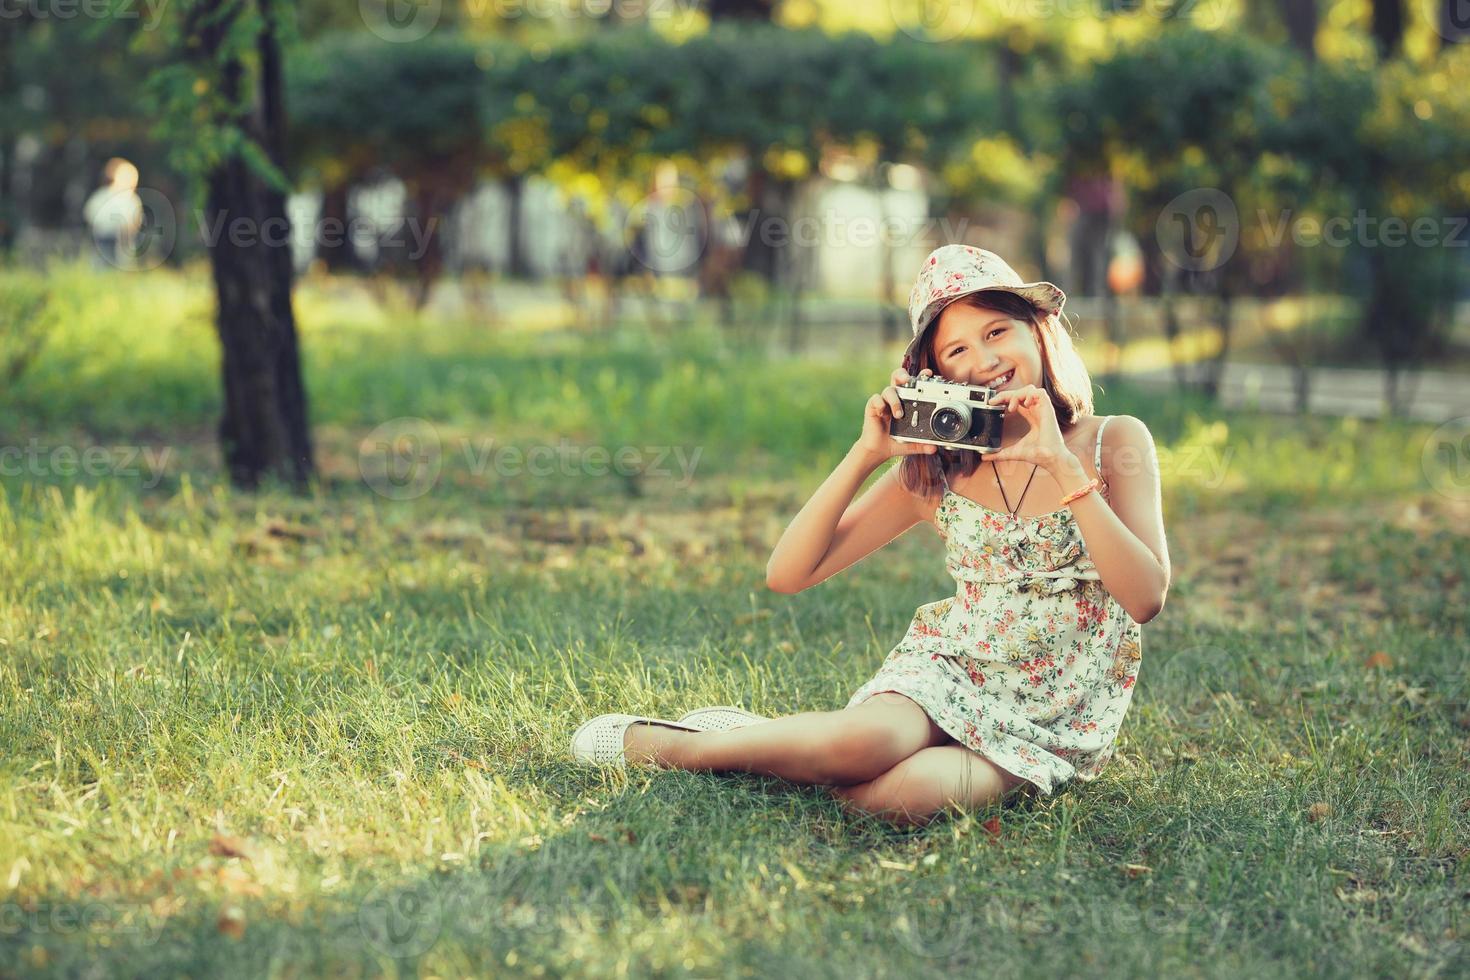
(1063, 376)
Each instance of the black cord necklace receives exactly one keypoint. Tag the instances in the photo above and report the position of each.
(1003, 489)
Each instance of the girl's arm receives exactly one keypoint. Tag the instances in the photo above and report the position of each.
(827, 535)
(1126, 541)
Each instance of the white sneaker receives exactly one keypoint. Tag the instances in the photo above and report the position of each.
(721, 718)
(600, 740)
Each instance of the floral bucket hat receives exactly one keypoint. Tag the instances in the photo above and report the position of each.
(952, 271)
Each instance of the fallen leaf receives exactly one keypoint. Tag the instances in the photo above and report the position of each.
(293, 532)
(236, 881)
(1378, 660)
(231, 922)
(230, 847)
(1137, 870)
(992, 827)
(467, 762)
(1318, 810)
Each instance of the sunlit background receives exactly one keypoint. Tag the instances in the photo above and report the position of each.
(388, 386)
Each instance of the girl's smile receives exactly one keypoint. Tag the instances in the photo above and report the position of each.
(1000, 381)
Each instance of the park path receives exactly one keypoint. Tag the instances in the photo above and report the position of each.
(1437, 396)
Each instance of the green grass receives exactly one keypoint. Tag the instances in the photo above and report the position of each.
(277, 736)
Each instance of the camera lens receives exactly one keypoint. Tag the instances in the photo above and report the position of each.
(951, 422)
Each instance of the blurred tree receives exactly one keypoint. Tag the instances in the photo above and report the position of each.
(224, 118)
(757, 98)
(315, 19)
(72, 96)
(1388, 27)
(758, 10)
(1300, 17)
(11, 123)
(1187, 154)
(1414, 196)
(425, 112)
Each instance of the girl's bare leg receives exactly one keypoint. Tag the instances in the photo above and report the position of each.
(843, 747)
(927, 783)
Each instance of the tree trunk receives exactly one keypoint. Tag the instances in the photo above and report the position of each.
(1113, 329)
(1301, 25)
(334, 246)
(1215, 370)
(264, 431)
(9, 143)
(753, 10)
(890, 317)
(429, 205)
(760, 254)
(1388, 27)
(516, 265)
(9, 212)
(1168, 300)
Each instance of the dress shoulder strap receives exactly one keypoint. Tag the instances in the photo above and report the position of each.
(1097, 453)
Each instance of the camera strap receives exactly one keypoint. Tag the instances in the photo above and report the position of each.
(1013, 510)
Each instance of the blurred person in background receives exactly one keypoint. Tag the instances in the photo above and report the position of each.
(114, 213)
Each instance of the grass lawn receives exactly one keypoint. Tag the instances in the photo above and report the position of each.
(279, 736)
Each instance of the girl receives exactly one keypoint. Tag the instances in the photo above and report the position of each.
(1019, 681)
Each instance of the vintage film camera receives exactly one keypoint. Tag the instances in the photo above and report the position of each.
(948, 413)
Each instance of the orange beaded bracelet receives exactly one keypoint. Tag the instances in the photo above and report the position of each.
(1091, 485)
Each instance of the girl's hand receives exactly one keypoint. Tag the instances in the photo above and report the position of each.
(875, 440)
(1042, 444)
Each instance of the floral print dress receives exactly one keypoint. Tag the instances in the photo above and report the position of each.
(1031, 663)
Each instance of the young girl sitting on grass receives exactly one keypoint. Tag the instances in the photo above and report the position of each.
(1020, 680)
